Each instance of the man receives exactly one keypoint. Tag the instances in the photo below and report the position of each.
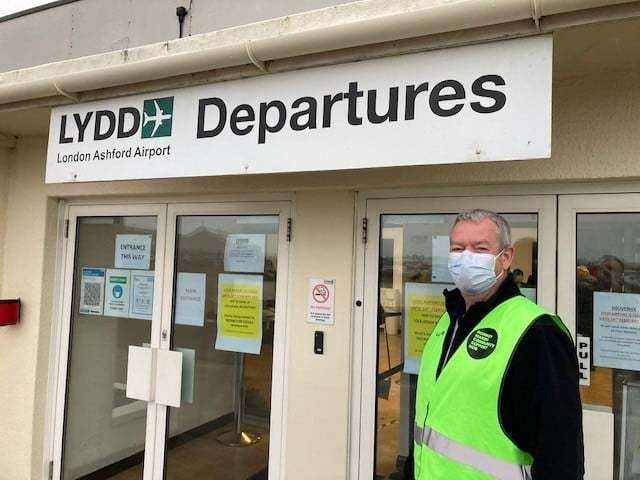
(497, 393)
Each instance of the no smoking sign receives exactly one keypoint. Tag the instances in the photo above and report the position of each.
(321, 293)
(321, 301)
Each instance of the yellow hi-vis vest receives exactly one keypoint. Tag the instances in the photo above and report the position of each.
(458, 431)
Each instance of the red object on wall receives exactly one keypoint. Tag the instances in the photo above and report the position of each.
(9, 312)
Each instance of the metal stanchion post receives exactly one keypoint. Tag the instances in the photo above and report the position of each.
(239, 437)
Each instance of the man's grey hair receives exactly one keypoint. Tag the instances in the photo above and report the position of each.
(478, 215)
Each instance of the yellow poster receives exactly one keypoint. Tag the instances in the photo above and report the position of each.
(423, 307)
(239, 313)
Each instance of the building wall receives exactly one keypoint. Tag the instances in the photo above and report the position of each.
(88, 27)
(318, 393)
(24, 265)
(594, 138)
(4, 186)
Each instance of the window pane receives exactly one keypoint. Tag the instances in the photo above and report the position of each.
(223, 322)
(104, 431)
(413, 273)
(607, 306)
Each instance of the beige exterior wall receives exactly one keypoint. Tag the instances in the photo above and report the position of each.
(24, 265)
(318, 393)
(594, 138)
(4, 188)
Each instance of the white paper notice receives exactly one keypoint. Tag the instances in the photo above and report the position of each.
(616, 330)
(321, 301)
(190, 298)
(245, 253)
(583, 347)
(92, 291)
(142, 283)
(440, 259)
(117, 290)
(133, 252)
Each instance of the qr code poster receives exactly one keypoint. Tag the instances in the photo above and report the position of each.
(92, 291)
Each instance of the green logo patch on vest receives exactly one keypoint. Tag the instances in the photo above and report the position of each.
(482, 343)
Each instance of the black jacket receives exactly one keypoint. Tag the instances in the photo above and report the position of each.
(540, 403)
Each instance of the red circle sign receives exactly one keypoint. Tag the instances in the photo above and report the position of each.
(320, 293)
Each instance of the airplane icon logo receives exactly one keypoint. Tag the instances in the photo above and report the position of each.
(157, 117)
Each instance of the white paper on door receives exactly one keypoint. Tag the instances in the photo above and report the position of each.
(440, 259)
(245, 253)
(190, 299)
(142, 285)
(616, 330)
(133, 252)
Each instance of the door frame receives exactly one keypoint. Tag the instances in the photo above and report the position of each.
(62, 349)
(279, 375)
(369, 208)
(598, 422)
(166, 210)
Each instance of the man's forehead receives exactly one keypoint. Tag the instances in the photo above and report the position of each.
(483, 231)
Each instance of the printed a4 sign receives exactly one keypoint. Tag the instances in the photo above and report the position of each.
(475, 103)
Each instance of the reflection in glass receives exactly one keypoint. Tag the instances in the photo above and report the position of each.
(104, 432)
(222, 387)
(607, 279)
(413, 272)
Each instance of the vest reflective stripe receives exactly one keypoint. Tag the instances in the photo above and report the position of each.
(499, 469)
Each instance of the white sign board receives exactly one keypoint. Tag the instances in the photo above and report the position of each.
(321, 301)
(244, 252)
(117, 293)
(474, 103)
(616, 330)
(133, 252)
(190, 299)
(92, 291)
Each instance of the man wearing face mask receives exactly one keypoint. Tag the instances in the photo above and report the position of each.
(497, 393)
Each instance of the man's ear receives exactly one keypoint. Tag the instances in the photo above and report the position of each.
(507, 258)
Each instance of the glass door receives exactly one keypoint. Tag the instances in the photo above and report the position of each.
(226, 297)
(405, 273)
(599, 298)
(113, 276)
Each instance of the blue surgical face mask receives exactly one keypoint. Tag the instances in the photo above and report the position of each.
(473, 273)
